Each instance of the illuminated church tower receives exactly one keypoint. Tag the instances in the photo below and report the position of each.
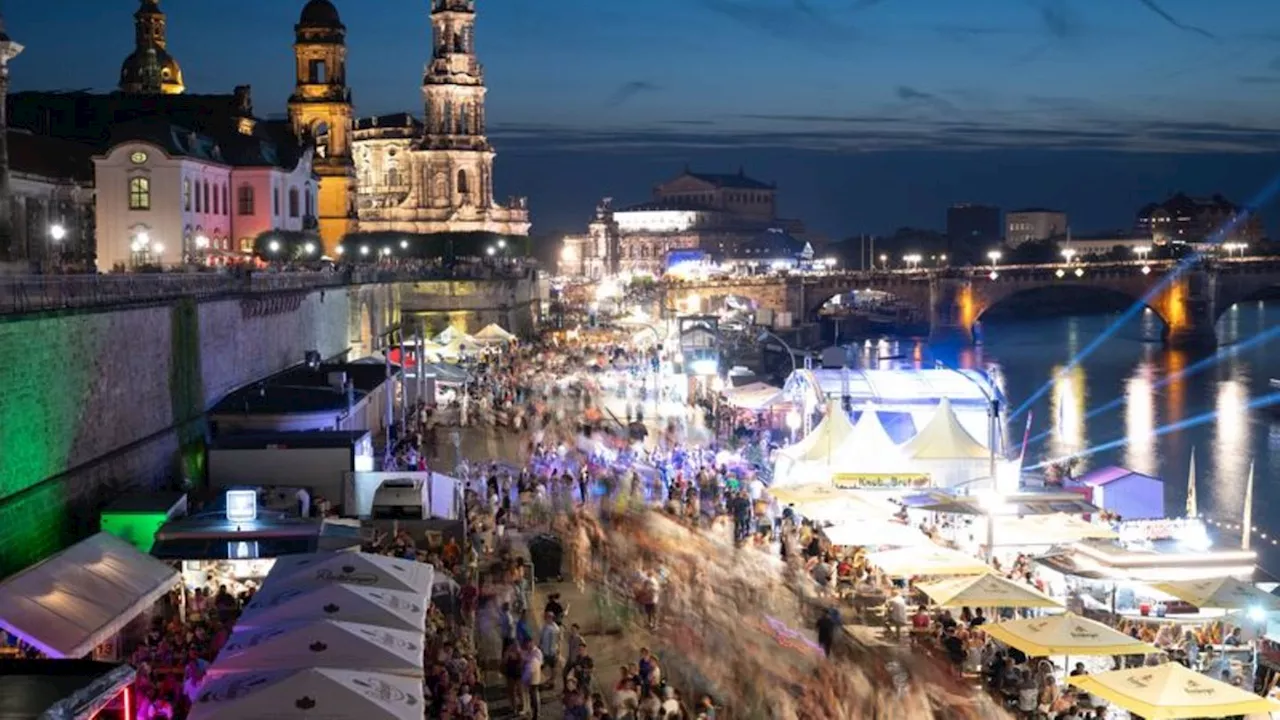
(450, 168)
(149, 68)
(320, 110)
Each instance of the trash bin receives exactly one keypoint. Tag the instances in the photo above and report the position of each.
(546, 554)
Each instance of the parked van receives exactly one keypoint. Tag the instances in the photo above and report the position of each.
(402, 499)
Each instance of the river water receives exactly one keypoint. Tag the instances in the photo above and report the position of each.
(1131, 402)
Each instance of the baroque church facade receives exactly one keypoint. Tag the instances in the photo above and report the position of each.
(436, 175)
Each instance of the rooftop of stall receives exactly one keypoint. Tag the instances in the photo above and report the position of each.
(137, 517)
(302, 388)
(1166, 562)
(58, 689)
(252, 459)
(216, 534)
(1130, 494)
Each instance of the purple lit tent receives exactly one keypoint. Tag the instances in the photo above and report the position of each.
(1127, 493)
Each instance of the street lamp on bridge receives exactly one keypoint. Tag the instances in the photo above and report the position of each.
(912, 260)
(1069, 254)
(994, 256)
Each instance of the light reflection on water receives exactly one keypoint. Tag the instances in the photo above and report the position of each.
(1029, 354)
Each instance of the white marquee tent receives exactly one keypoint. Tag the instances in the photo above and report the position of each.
(812, 459)
(870, 450)
(308, 695)
(321, 643)
(347, 568)
(947, 451)
(347, 603)
(74, 601)
(493, 334)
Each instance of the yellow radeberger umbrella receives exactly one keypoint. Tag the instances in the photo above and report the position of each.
(1066, 634)
(927, 560)
(1171, 691)
(988, 590)
(1223, 593)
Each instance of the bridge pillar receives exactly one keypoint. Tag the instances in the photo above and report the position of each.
(1188, 305)
(951, 310)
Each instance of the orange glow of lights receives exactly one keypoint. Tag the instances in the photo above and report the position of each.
(1172, 305)
(968, 309)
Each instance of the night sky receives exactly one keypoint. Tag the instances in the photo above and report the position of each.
(869, 114)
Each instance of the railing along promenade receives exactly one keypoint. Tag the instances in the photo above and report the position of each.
(39, 293)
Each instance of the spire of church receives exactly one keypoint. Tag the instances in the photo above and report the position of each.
(151, 83)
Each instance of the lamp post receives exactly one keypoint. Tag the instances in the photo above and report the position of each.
(57, 233)
(765, 335)
(884, 262)
(994, 256)
(1069, 254)
(912, 260)
(309, 249)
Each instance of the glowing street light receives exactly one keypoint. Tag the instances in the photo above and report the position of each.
(1142, 251)
(57, 232)
(1079, 272)
(364, 249)
(994, 256)
(157, 248)
(386, 251)
(404, 244)
(339, 250)
(912, 260)
(1069, 254)
(502, 243)
(274, 246)
(490, 251)
(884, 261)
(202, 242)
(309, 248)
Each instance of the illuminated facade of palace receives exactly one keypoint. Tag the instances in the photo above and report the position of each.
(437, 175)
(712, 212)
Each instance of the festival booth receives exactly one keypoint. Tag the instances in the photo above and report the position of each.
(444, 493)
(321, 643)
(494, 334)
(76, 602)
(811, 459)
(1067, 635)
(1123, 492)
(310, 693)
(1171, 691)
(848, 455)
(825, 504)
(393, 609)
(351, 568)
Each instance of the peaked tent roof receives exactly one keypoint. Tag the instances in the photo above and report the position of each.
(824, 440)
(493, 332)
(322, 643)
(347, 568)
(870, 449)
(298, 694)
(447, 335)
(1223, 593)
(944, 438)
(1066, 634)
(348, 603)
(76, 600)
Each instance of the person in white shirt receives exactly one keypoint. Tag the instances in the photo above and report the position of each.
(549, 646)
(531, 679)
(670, 704)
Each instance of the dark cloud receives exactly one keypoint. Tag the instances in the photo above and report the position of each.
(629, 90)
(782, 19)
(909, 94)
(1154, 7)
(856, 135)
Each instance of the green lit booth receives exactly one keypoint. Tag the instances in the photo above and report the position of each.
(78, 602)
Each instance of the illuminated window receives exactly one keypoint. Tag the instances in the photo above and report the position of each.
(139, 193)
(244, 200)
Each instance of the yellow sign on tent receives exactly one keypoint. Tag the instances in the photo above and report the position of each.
(1066, 634)
(1171, 691)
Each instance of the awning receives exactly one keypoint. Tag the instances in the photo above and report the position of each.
(74, 601)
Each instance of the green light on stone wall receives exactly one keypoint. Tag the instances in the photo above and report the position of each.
(136, 528)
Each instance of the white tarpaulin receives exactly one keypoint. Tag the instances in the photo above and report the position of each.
(869, 449)
(321, 643)
(74, 601)
(314, 694)
(756, 396)
(875, 533)
(347, 568)
(348, 603)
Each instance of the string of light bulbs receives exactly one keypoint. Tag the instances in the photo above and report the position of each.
(1236, 527)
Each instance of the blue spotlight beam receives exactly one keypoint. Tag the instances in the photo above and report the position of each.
(1264, 196)
(1190, 370)
(1260, 402)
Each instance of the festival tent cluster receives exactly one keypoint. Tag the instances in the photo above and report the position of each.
(334, 634)
(943, 450)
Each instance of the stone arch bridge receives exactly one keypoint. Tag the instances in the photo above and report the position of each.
(1188, 300)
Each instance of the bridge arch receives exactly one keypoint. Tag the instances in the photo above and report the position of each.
(1100, 297)
(1252, 292)
(913, 295)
